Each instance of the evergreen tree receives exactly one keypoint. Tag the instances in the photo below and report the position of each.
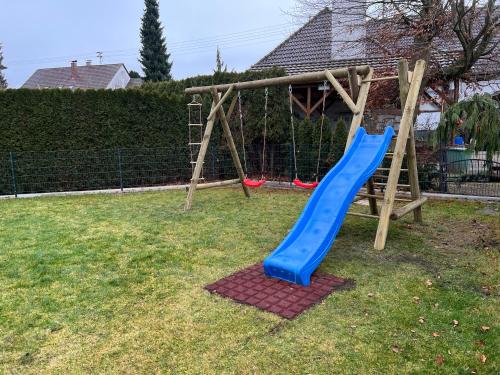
(154, 57)
(3, 81)
(220, 67)
(339, 140)
(134, 74)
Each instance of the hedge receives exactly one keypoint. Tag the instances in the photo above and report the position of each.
(50, 129)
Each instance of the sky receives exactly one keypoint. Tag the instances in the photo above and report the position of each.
(50, 33)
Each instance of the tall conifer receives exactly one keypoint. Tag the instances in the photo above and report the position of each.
(154, 57)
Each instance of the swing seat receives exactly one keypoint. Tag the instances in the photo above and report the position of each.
(254, 184)
(305, 185)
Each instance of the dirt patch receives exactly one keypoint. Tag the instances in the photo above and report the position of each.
(456, 235)
(427, 265)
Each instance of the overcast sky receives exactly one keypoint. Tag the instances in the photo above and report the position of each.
(50, 33)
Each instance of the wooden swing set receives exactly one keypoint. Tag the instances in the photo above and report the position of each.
(359, 78)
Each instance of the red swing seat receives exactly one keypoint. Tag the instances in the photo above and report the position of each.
(254, 184)
(305, 185)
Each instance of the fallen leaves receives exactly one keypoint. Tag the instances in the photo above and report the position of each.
(439, 360)
(482, 358)
(370, 294)
(435, 334)
(416, 300)
(480, 343)
(421, 320)
(455, 322)
(485, 328)
(395, 348)
(486, 290)
(428, 283)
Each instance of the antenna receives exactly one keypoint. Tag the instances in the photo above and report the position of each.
(99, 55)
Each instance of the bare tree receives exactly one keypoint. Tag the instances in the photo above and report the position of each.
(451, 35)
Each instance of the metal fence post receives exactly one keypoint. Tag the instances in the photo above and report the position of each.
(120, 168)
(13, 172)
(443, 186)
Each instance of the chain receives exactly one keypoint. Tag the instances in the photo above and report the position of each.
(321, 129)
(242, 133)
(293, 130)
(265, 132)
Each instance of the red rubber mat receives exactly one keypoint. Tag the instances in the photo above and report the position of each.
(252, 287)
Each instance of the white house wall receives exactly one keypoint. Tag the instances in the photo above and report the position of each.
(120, 80)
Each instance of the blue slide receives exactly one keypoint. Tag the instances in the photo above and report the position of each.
(308, 242)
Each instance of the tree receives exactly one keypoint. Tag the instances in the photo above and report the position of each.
(154, 56)
(220, 67)
(134, 74)
(477, 119)
(472, 26)
(3, 81)
(339, 140)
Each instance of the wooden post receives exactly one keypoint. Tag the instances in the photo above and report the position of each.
(411, 153)
(230, 142)
(399, 150)
(219, 103)
(352, 76)
(199, 161)
(370, 188)
(399, 212)
(338, 87)
(360, 104)
(309, 95)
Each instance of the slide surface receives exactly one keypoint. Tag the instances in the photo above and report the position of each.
(308, 242)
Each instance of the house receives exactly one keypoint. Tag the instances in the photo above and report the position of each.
(88, 76)
(338, 39)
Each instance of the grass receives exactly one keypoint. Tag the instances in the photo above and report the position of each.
(114, 284)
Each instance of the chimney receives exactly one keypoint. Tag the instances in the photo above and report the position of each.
(88, 62)
(74, 70)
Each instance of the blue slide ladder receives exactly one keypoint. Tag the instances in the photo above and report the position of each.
(312, 236)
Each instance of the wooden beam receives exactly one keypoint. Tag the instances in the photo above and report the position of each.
(232, 106)
(209, 185)
(397, 160)
(230, 142)
(199, 162)
(362, 215)
(343, 94)
(360, 104)
(320, 102)
(280, 81)
(299, 104)
(411, 154)
(381, 197)
(387, 78)
(214, 110)
(401, 211)
(353, 82)
(383, 184)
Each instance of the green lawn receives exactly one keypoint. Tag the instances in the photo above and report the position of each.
(114, 284)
